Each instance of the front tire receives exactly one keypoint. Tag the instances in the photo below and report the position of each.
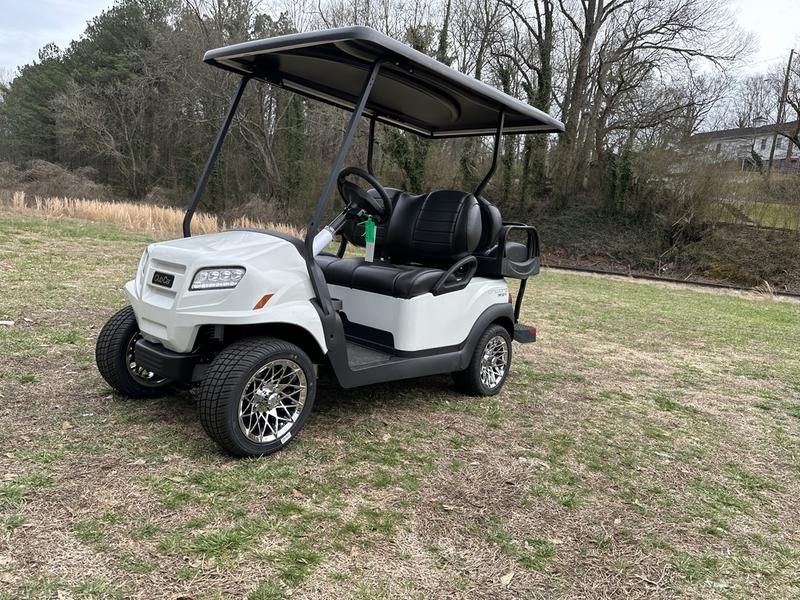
(116, 360)
(488, 369)
(257, 395)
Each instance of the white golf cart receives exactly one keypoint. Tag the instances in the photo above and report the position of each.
(248, 315)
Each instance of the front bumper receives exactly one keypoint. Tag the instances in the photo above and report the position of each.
(175, 366)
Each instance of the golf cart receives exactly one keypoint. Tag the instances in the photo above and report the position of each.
(248, 315)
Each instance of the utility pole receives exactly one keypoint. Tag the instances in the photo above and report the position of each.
(781, 105)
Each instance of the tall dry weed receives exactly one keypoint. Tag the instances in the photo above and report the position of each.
(158, 221)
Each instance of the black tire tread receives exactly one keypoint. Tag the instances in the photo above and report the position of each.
(224, 377)
(468, 381)
(113, 339)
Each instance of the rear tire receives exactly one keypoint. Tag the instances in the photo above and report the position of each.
(257, 395)
(488, 369)
(116, 361)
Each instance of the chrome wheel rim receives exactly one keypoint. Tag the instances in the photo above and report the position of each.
(272, 401)
(137, 371)
(494, 361)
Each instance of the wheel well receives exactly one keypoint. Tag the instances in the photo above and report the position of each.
(285, 331)
(507, 323)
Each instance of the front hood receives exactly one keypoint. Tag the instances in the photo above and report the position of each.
(169, 311)
(227, 246)
(264, 257)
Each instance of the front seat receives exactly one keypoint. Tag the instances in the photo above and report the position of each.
(426, 235)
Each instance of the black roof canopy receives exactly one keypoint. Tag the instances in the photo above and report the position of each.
(412, 91)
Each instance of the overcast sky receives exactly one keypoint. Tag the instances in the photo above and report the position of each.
(27, 25)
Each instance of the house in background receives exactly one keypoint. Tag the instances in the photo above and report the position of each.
(748, 148)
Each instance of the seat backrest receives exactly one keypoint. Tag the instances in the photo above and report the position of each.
(438, 229)
(491, 224)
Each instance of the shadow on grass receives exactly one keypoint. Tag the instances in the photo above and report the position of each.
(173, 422)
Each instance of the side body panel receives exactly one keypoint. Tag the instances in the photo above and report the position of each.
(424, 322)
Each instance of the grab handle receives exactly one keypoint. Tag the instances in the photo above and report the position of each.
(460, 280)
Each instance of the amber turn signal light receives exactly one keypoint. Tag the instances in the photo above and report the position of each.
(263, 302)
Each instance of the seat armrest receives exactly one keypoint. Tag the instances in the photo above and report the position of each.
(456, 277)
(533, 237)
(519, 268)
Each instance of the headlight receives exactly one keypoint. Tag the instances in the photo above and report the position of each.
(217, 278)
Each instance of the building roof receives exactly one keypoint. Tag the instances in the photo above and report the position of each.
(413, 91)
(741, 132)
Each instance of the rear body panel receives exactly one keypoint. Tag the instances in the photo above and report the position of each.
(424, 322)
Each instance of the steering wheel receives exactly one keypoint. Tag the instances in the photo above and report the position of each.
(352, 193)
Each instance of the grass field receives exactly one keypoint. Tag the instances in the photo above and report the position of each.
(647, 446)
(763, 214)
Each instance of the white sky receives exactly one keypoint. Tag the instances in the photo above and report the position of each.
(27, 25)
(776, 24)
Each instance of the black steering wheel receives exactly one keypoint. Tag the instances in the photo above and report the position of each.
(354, 194)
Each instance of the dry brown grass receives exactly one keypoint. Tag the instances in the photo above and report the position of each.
(158, 221)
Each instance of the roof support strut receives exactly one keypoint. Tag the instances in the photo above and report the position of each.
(371, 145)
(498, 136)
(314, 272)
(212, 158)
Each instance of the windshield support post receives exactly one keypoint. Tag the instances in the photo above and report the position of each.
(314, 272)
(371, 145)
(498, 136)
(212, 158)
(347, 141)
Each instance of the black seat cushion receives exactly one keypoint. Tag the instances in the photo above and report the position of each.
(379, 277)
(435, 229)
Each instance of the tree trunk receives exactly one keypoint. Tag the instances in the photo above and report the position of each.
(567, 152)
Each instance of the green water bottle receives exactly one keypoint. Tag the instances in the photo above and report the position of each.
(369, 237)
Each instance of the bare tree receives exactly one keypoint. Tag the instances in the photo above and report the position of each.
(752, 97)
(791, 109)
(111, 123)
(622, 45)
(531, 54)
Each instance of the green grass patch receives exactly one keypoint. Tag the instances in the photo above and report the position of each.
(750, 482)
(171, 494)
(532, 553)
(370, 521)
(793, 410)
(697, 567)
(668, 402)
(14, 492)
(26, 378)
(296, 562)
(230, 541)
(92, 530)
(540, 377)
(268, 590)
(136, 565)
(49, 586)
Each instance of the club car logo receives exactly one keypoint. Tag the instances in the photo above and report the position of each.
(163, 279)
